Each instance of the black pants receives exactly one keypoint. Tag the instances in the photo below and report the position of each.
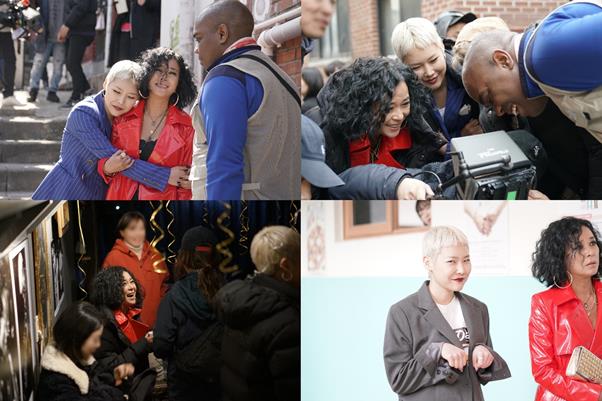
(76, 47)
(9, 61)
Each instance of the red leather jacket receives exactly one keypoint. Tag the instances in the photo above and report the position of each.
(557, 325)
(173, 148)
(359, 149)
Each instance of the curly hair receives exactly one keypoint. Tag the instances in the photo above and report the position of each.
(559, 240)
(107, 288)
(356, 100)
(152, 60)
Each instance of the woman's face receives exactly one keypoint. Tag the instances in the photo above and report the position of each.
(91, 345)
(121, 96)
(428, 64)
(583, 262)
(129, 290)
(315, 16)
(135, 233)
(400, 109)
(164, 82)
(450, 269)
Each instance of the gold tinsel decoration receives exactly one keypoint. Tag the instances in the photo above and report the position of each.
(82, 254)
(156, 227)
(222, 247)
(171, 255)
(244, 228)
(294, 212)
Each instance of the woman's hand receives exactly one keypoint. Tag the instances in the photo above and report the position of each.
(536, 195)
(455, 356)
(178, 177)
(123, 372)
(118, 162)
(61, 36)
(472, 128)
(481, 358)
(413, 189)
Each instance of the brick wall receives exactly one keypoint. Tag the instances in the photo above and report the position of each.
(518, 14)
(287, 56)
(363, 24)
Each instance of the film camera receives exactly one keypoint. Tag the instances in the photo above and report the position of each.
(23, 19)
(490, 166)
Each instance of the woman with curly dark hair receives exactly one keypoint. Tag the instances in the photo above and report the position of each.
(566, 315)
(157, 129)
(125, 340)
(372, 113)
(186, 318)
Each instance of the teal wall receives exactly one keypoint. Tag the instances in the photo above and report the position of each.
(343, 323)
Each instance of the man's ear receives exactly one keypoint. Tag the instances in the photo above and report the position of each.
(223, 34)
(502, 59)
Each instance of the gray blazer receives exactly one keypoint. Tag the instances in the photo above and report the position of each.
(415, 333)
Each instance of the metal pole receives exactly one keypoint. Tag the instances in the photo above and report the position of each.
(108, 30)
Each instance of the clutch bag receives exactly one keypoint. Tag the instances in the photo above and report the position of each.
(584, 365)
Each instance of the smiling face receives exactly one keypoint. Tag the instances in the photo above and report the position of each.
(134, 234)
(315, 16)
(585, 259)
(449, 270)
(164, 82)
(121, 95)
(400, 109)
(129, 291)
(428, 64)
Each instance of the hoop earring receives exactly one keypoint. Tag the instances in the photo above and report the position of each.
(140, 93)
(288, 278)
(566, 286)
(177, 100)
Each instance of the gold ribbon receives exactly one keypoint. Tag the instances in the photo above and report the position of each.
(81, 255)
(244, 228)
(222, 247)
(156, 227)
(171, 255)
(294, 213)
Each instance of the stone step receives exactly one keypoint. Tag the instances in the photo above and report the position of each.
(26, 127)
(29, 151)
(15, 195)
(21, 177)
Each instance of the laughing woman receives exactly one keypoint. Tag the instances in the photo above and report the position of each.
(86, 140)
(157, 130)
(566, 315)
(437, 343)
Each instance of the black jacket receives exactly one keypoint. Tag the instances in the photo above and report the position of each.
(62, 380)
(81, 17)
(146, 25)
(261, 348)
(182, 316)
(116, 348)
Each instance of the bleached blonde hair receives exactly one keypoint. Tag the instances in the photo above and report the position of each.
(124, 70)
(469, 32)
(273, 243)
(414, 33)
(441, 237)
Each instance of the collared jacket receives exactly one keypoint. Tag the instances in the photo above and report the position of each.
(145, 271)
(557, 325)
(415, 333)
(173, 148)
(86, 140)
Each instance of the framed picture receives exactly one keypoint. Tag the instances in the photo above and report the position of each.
(10, 374)
(62, 218)
(367, 218)
(21, 267)
(42, 255)
(57, 262)
(412, 216)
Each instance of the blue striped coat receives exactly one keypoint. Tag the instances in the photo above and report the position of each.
(86, 139)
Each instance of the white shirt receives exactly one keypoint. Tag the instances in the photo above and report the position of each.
(452, 313)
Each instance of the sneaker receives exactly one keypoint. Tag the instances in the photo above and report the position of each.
(33, 95)
(52, 97)
(70, 103)
(11, 101)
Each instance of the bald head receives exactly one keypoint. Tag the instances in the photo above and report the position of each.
(480, 53)
(231, 13)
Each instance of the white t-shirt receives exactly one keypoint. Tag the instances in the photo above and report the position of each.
(452, 312)
(442, 111)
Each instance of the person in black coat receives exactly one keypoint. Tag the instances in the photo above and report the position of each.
(262, 319)
(311, 83)
(79, 32)
(125, 340)
(69, 371)
(135, 30)
(186, 311)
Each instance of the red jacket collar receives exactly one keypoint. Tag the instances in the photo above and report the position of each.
(121, 246)
(122, 318)
(359, 149)
(559, 296)
(174, 115)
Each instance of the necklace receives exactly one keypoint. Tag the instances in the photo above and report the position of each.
(155, 125)
(590, 307)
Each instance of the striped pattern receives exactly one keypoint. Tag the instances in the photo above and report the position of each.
(85, 141)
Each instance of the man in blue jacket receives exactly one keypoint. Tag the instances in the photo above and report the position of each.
(250, 114)
(559, 59)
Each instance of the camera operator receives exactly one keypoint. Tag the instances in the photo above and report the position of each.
(7, 56)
